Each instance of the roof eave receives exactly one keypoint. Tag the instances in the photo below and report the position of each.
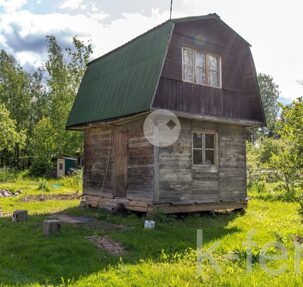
(112, 121)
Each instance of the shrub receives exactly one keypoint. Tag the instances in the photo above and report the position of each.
(75, 180)
(7, 174)
(43, 185)
(300, 210)
(159, 216)
(258, 186)
(41, 168)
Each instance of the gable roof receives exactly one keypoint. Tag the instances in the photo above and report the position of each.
(124, 81)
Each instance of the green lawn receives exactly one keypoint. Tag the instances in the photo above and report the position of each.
(165, 256)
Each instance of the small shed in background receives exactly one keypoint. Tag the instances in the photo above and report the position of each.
(65, 165)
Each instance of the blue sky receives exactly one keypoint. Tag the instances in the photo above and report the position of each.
(274, 28)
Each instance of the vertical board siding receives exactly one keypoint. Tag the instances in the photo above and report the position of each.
(238, 98)
(97, 156)
(98, 151)
(232, 163)
(120, 159)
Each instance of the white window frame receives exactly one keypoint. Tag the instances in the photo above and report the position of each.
(203, 148)
(207, 70)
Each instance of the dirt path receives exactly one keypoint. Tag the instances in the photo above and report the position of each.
(46, 197)
(87, 221)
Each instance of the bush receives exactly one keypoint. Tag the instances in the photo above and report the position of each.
(300, 210)
(159, 216)
(41, 168)
(43, 185)
(259, 187)
(75, 180)
(8, 174)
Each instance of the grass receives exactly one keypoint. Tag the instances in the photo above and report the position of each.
(165, 256)
(273, 192)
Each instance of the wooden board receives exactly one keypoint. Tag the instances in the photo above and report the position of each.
(99, 160)
(180, 181)
(120, 155)
(147, 206)
(239, 97)
(164, 174)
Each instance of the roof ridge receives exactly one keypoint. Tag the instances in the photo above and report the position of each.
(130, 41)
(174, 20)
(210, 16)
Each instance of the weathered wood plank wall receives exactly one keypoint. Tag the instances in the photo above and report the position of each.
(180, 181)
(98, 161)
(238, 97)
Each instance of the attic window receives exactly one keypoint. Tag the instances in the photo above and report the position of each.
(201, 68)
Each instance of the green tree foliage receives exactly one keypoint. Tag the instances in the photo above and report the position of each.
(65, 69)
(44, 147)
(288, 161)
(14, 90)
(40, 103)
(15, 95)
(280, 158)
(269, 94)
(291, 128)
(283, 163)
(9, 136)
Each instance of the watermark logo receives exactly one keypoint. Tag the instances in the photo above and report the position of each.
(265, 256)
(162, 128)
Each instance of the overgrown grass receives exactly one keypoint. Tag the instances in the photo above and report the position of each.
(165, 256)
(273, 192)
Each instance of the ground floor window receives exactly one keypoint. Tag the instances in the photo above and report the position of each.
(204, 148)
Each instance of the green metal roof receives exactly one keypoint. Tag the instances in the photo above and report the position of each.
(124, 81)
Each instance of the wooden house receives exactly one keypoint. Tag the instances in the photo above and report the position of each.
(201, 70)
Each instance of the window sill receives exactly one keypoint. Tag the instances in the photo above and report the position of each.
(205, 168)
(204, 85)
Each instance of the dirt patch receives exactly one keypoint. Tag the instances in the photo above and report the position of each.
(107, 244)
(87, 222)
(50, 197)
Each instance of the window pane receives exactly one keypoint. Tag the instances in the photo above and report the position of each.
(197, 140)
(188, 73)
(213, 63)
(200, 76)
(197, 156)
(213, 79)
(209, 157)
(188, 65)
(188, 57)
(200, 60)
(210, 141)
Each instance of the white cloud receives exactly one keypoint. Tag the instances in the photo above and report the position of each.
(71, 4)
(29, 58)
(268, 25)
(87, 26)
(12, 5)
